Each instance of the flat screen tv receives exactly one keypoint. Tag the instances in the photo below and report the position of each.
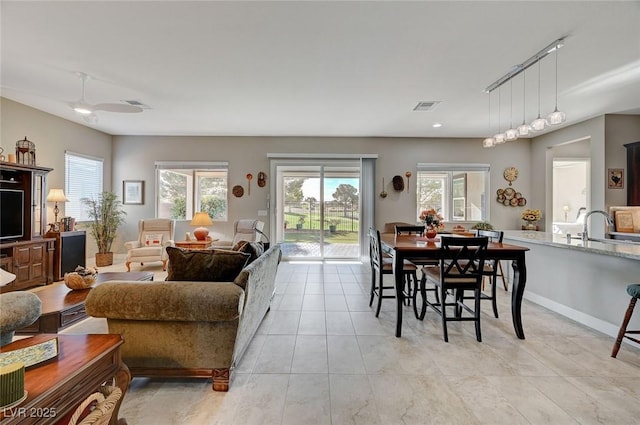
(11, 214)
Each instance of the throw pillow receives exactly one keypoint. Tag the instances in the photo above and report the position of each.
(254, 249)
(205, 265)
(153, 239)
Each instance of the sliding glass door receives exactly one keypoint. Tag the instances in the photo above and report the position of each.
(318, 209)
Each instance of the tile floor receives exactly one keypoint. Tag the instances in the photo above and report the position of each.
(321, 357)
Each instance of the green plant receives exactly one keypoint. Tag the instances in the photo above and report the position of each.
(482, 225)
(301, 219)
(106, 216)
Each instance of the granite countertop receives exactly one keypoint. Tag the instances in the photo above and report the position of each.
(616, 248)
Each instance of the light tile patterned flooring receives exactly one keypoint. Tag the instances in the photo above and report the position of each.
(321, 357)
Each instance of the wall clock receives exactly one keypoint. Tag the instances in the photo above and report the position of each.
(510, 174)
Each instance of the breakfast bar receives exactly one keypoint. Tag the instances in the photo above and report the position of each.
(584, 281)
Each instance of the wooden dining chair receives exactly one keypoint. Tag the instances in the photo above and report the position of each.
(492, 269)
(401, 229)
(461, 265)
(380, 266)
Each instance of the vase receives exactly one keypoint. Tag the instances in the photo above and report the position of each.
(530, 225)
(430, 231)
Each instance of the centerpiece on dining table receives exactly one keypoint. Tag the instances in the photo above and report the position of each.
(432, 222)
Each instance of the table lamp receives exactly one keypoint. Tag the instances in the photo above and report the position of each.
(56, 195)
(6, 277)
(201, 219)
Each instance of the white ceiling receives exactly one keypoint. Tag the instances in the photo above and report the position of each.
(318, 68)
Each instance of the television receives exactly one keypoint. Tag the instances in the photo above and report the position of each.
(11, 214)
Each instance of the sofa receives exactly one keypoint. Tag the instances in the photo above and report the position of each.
(191, 328)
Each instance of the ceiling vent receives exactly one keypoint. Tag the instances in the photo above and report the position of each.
(137, 103)
(426, 105)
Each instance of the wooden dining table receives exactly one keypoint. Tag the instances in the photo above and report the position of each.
(403, 247)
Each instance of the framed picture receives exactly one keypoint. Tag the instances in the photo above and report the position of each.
(615, 178)
(133, 192)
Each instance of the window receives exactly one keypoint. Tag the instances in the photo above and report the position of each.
(456, 191)
(82, 179)
(185, 188)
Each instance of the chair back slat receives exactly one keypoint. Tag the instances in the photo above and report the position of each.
(375, 248)
(493, 235)
(409, 230)
(462, 257)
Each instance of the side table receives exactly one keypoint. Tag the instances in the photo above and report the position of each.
(195, 244)
(55, 388)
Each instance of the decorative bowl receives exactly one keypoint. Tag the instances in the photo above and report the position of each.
(77, 281)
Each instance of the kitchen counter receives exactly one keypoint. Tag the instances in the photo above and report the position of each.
(613, 247)
(583, 281)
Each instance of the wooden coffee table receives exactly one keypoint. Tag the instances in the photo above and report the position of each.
(62, 307)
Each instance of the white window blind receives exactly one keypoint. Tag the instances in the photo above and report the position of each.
(82, 179)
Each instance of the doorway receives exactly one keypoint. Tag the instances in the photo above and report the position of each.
(317, 212)
(571, 189)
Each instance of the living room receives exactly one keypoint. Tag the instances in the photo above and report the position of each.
(297, 371)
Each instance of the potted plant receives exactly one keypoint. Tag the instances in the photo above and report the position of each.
(106, 216)
(482, 225)
(300, 222)
(333, 224)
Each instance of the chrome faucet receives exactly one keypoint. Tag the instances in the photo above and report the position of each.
(585, 234)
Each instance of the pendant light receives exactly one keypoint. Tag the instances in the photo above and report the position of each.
(489, 142)
(556, 117)
(499, 137)
(511, 134)
(539, 123)
(524, 129)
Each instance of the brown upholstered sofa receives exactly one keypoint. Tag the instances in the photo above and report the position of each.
(188, 329)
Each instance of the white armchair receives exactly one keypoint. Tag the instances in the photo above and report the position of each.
(243, 230)
(154, 236)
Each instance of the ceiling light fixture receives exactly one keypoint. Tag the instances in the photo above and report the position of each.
(524, 129)
(500, 138)
(539, 124)
(556, 117)
(511, 134)
(489, 142)
(437, 125)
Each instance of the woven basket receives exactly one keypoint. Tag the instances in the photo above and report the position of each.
(75, 281)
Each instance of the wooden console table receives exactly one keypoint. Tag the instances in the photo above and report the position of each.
(57, 387)
(62, 307)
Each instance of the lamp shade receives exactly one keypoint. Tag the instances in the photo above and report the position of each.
(201, 219)
(56, 195)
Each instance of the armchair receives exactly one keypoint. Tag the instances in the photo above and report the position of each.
(154, 235)
(243, 230)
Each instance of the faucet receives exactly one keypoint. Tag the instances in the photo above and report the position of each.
(585, 234)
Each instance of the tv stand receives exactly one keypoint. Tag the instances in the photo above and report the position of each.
(30, 256)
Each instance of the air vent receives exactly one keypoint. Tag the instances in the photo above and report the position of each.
(137, 103)
(426, 105)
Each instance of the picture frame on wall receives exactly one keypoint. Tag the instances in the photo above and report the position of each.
(615, 178)
(133, 192)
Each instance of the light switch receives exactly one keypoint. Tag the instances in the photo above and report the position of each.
(262, 213)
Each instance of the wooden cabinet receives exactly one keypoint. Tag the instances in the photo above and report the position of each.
(23, 250)
(30, 261)
(70, 252)
(633, 173)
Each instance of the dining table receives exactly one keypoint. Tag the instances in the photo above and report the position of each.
(407, 247)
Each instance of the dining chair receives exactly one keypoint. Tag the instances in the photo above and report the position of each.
(382, 265)
(492, 269)
(401, 229)
(461, 266)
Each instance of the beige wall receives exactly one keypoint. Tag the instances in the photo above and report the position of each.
(53, 135)
(132, 158)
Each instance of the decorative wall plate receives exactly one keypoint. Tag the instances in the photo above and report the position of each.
(510, 174)
(237, 191)
(398, 183)
(262, 179)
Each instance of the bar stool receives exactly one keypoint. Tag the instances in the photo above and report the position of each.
(634, 291)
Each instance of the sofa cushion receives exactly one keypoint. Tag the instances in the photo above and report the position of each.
(254, 249)
(217, 265)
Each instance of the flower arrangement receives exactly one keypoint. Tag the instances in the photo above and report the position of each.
(531, 215)
(431, 218)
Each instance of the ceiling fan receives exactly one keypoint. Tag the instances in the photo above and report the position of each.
(87, 110)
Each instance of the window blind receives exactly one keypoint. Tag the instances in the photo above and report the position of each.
(82, 179)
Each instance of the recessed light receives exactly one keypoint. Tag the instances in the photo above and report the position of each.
(436, 125)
